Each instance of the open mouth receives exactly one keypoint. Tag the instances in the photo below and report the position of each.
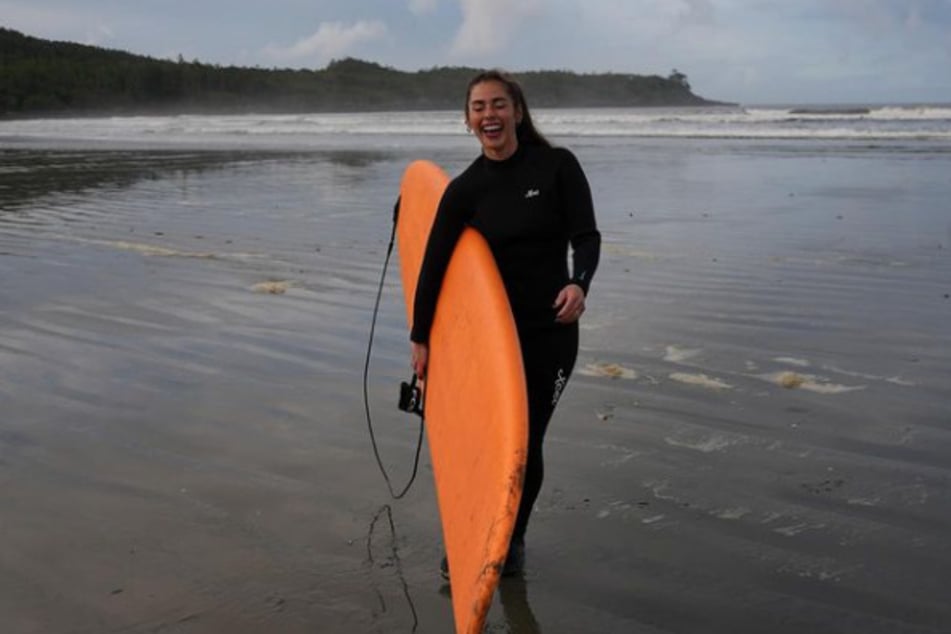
(492, 130)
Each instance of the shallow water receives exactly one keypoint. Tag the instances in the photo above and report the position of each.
(756, 439)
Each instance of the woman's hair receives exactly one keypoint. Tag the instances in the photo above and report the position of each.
(525, 131)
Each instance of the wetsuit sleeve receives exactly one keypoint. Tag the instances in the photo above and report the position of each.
(451, 218)
(583, 231)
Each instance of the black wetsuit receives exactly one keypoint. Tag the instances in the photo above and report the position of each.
(529, 207)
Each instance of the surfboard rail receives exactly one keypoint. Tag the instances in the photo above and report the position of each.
(476, 402)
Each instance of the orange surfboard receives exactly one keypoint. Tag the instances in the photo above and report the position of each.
(476, 403)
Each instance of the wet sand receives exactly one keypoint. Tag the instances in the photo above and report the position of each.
(756, 438)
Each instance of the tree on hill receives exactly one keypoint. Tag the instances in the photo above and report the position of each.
(677, 77)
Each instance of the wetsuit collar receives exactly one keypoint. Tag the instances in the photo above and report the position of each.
(507, 162)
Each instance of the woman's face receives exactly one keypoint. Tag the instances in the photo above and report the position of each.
(493, 118)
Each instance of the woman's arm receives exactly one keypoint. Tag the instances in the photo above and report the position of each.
(451, 219)
(582, 229)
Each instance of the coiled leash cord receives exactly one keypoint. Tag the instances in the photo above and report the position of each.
(416, 405)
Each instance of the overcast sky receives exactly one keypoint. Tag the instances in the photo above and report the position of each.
(750, 51)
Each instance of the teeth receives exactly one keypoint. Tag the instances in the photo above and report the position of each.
(491, 128)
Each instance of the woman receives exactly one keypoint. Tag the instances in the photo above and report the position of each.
(530, 201)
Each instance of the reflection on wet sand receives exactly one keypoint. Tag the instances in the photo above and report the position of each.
(715, 461)
(386, 570)
(390, 560)
(513, 593)
(43, 173)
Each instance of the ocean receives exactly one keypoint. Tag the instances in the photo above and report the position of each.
(756, 437)
(923, 123)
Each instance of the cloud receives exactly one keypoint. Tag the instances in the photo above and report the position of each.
(488, 25)
(698, 12)
(420, 7)
(56, 23)
(330, 39)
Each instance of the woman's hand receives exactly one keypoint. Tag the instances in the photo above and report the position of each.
(419, 358)
(569, 304)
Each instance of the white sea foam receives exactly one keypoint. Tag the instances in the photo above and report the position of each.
(884, 123)
(810, 382)
(735, 513)
(675, 354)
(714, 443)
(802, 363)
(700, 380)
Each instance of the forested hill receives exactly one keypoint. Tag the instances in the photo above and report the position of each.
(42, 77)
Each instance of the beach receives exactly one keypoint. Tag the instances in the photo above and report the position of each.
(756, 437)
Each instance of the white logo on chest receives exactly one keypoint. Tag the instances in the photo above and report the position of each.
(532, 193)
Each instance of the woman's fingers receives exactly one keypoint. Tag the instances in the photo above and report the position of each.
(570, 304)
(419, 357)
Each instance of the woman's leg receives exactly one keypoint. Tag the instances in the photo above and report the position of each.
(549, 357)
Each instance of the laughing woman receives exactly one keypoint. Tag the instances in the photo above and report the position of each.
(530, 201)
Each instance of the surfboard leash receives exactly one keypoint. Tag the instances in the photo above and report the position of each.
(366, 372)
